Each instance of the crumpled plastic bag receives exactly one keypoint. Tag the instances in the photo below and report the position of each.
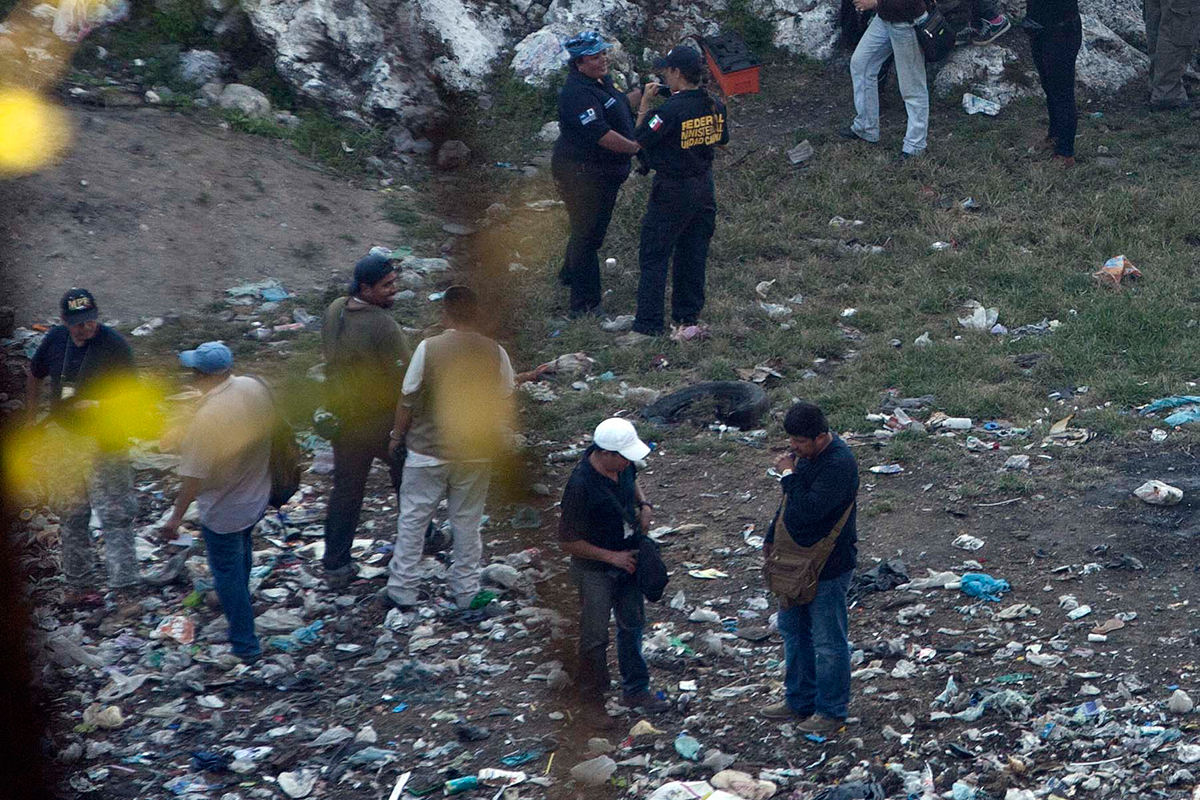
(100, 716)
(1115, 270)
(984, 586)
(1157, 493)
(977, 318)
(1190, 411)
(178, 627)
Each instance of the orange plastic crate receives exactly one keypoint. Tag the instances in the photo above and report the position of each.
(743, 81)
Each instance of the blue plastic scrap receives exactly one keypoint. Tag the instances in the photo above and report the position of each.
(1188, 405)
(981, 585)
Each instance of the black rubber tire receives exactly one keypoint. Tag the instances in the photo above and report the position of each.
(739, 403)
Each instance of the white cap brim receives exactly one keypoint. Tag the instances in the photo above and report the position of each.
(635, 450)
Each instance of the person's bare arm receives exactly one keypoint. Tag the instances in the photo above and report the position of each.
(618, 143)
(187, 494)
(400, 426)
(623, 559)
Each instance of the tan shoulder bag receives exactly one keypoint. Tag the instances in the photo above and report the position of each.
(792, 571)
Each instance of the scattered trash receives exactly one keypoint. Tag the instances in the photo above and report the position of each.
(983, 586)
(1018, 462)
(775, 311)
(179, 628)
(968, 542)
(1157, 493)
(687, 746)
(618, 324)
(1188, 410)
(1116, 270)
(887, 469)
(1180, 702)
(974, 104)
(800, 153)
(923, 340)
(690, 333)
(594, 772)
(976, 317)
(938, 247)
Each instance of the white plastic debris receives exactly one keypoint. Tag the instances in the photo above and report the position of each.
(1180, 702)
(1157, 493)
(595, 771)
(968, 542)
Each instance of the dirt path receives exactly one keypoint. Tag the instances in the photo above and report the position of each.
(156, 211)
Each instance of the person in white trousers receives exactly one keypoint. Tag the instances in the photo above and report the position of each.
(452, 417)
(890, 32)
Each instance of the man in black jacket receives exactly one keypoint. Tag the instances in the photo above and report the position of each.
(603, 511)
(820, 480)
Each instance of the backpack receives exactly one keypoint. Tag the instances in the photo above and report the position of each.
(284, 464)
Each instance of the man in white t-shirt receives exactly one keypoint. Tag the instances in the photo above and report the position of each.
(453, 415)
(225, 469)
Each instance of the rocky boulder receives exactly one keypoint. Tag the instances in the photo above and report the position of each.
(980, 71)
(199, 67)
(538, 57)
(803, 27)
(1122, 17)
(1106, 62)
(246, 99)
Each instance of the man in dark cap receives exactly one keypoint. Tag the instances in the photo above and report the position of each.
(366, 354)
(82, 358)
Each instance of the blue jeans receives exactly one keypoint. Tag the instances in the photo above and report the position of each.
(229, 558)
(603, 594)
(881, 40)
(817, 652)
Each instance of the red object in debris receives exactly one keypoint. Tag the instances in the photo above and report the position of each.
(732, 63)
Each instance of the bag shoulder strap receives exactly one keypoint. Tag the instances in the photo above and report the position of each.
(826, 542)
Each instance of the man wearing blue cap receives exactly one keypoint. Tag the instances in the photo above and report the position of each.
(590, 162)
(226, 454)
(366, 354)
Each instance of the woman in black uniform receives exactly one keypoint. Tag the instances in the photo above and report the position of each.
(678, 140)
(590, 161)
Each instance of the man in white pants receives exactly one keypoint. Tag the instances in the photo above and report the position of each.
(890, 32)
(452, 417)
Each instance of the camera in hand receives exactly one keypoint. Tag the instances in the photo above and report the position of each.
(663, 90)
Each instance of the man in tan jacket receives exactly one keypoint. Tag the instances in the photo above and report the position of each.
(452, 417)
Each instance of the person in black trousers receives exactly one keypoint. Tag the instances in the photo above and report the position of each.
(590, 161)
(678, 139)
(1055, 36)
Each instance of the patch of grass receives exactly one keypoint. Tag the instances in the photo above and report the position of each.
(506, 131)
(755, 29)
(396, 209)
(204, 199)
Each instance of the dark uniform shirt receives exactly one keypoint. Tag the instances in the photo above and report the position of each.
(599, 511)
(79, 369)
(588, 109)
(678, 137)
(818, 491)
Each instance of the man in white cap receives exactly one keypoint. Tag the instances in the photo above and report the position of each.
(603, 511)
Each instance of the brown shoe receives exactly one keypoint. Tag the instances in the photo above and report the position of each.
(650, 703)
(595, 716)
(780, 711)
(1065, 162)
(821, 725)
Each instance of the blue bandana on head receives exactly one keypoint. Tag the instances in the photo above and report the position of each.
(586, 44)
